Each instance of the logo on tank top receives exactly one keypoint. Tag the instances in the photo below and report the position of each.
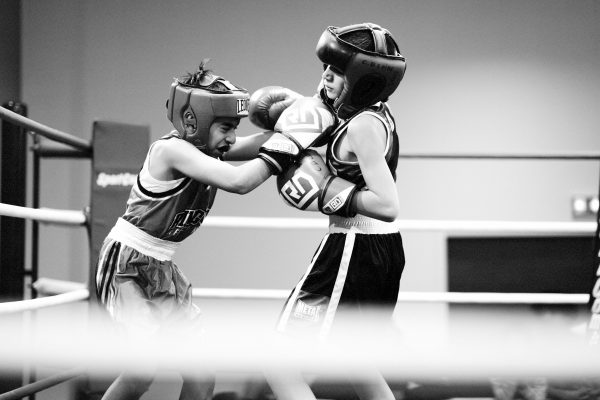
(184, 224)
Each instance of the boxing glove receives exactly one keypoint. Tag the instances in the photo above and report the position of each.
(305, 123)
(266, 105)
(309, 185)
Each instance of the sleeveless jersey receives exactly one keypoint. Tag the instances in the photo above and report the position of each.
(170, 210)
(359, 262)
(350, 170)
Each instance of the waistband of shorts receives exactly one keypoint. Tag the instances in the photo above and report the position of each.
(360, 224)
(134, 237)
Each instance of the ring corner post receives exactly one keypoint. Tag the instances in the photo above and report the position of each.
(13, 183)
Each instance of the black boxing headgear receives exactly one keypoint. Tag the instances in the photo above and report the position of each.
(369, 76)
(192, 108)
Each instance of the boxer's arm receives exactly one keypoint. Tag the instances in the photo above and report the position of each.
(367, 139)
(246, 147)
(182, 157)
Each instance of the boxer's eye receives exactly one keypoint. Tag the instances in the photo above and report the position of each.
(333, 69)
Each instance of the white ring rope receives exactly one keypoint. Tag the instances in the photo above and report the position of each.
(77, 291)
(255, 348)
(50, 287)
(54, 286)
(420, 297)
(525, 227)
(70, 217)
(248, 343)
(54, 216)
(43, 302)
(244, 294)
(575, 155)
(275, 294)
(493, 298)
(268, 223)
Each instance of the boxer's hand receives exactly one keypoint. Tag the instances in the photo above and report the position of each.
(267, 104)
(309, 185)
(305, 123)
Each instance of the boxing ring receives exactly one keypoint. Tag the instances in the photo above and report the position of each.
(259, 349)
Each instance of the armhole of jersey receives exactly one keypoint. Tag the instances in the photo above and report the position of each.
(388, 132)
(337, 139)
(159, 195)
(171, 186)
(339, 133)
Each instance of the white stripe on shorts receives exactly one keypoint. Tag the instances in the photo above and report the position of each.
(292, 300)
(338, 286)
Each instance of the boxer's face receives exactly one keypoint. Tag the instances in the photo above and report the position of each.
(333, 81)
(221, 135)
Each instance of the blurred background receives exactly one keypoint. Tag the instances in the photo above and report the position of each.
(510, 76)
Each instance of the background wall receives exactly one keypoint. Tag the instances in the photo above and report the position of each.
(482, 76)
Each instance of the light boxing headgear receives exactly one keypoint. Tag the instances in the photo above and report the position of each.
(369, 76)
(193, 108)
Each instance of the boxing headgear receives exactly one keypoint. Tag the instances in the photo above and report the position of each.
(193, 108)
(369, 76)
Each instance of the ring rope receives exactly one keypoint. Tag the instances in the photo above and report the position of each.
(530, 227)
(269, 223)
(54, 286)
(49, 151)
(62, 217)
(50, 133)
(493, 298)
(506, 156)
(240, 294)
(42, 384)
(434, 353)
(70, 217)
(51, 287)
(43, 302)
(420, 297)
(276, 294)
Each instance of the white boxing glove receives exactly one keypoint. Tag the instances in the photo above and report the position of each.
(309, 185)
(307, 122)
